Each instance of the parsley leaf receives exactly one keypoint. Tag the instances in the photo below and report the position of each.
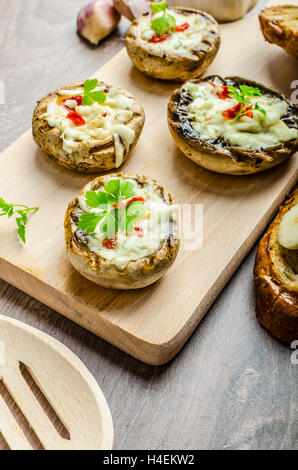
(4, 206)
(235, 93)
(89, 220)
(261, 110)
(250, 91)
(98, 200)
(242, 96)
(119, 190)
(136, 209)
(110, 224)
(90, 96)
(21, 229)
(114, 214)
(89, 85)
(166, 22)
(10, 209)
(158, 6)
(243, 93)
(130, 223)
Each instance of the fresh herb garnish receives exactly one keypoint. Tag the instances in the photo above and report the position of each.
(262, 111)
(20, 209)
(158, 6)
(89, 96)
(166, 22)
(115, 213)
(242, 95)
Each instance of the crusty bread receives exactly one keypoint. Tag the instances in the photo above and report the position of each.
(276, 280)
(279, 25)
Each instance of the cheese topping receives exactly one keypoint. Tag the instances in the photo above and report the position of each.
(102, 121)
(288, 229)
(179, 43)
(256, 132)
(151, 229)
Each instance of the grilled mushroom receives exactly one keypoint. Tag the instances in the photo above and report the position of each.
(121, 232)
(88, 131)
(182, 53)
(233, 125)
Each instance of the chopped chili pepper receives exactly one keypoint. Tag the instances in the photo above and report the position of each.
(248, 112)
(103, 114)
(231, 113)
(224, 93)
(140, 231)
(76, 118)
(129, 201)
(77, 98)
(111, 243)
(212, 84)
(134, 199)
(157, 38)
(182, 27)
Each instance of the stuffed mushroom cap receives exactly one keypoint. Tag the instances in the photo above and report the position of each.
(96, 135)
(121, 232)
(213, 127)
(181, 54)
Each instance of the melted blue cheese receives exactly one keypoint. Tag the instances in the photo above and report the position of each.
(179, 43)
(103, 121)
(155, 224)
(205, 115)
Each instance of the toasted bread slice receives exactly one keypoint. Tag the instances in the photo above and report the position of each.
(279, 25)
(276, 280)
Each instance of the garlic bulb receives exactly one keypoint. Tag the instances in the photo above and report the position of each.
(97, 20)
(222, 10)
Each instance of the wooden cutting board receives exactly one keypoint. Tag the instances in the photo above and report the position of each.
(154, 323)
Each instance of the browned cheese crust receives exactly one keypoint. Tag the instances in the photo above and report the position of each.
(279, 25)
(221, 157)
(276, 281)
(170, 66)
(138, 273)
(90, 157)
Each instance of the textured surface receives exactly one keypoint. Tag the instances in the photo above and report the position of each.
(233, 385)
(74, 401)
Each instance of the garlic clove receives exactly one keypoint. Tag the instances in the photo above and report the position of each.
(97, 20)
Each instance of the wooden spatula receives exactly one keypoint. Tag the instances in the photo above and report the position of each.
(52, 391)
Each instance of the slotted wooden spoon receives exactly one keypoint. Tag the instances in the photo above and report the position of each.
(64, 382)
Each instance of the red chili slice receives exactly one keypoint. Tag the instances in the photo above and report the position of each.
(140, 231)
(224, 93)
(248, 112)
(111, 243)
(159, 38)
(76, 118)
(78, 99)
(231, 113)
(134, 199)
(212, 84)
(182, 27)
(129, 201)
